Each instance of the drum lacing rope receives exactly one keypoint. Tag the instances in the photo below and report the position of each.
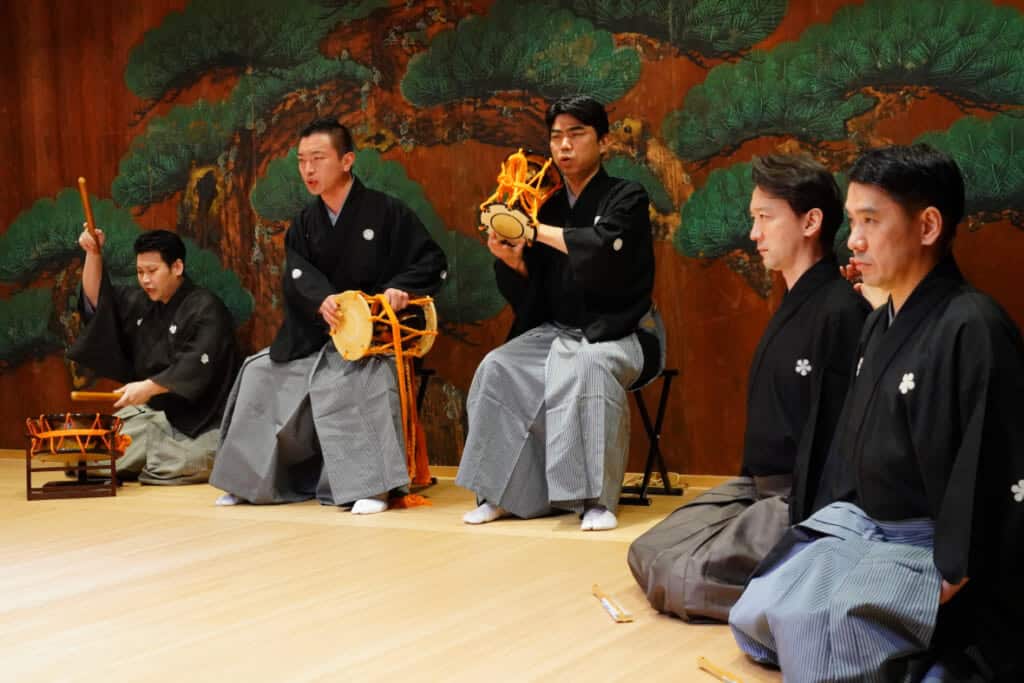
(410, 417)
(517, 185)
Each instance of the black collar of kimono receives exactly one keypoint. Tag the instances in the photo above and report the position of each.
(825, 270)
(941, 279)
(184, 288)
(593, 192)
(351, 200)
(876, 354)
(813, 279)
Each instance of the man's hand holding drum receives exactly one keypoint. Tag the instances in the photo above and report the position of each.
(509, 251)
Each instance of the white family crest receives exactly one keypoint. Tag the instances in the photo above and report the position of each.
(803, 367)
(907, 383)
(204, 359)
(138, 323)
(368, 234)
(173, 328)
(296, 273)
(1018, 491)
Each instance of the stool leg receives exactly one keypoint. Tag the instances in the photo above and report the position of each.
(654, 456)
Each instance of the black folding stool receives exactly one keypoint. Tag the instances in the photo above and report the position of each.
(638, 494)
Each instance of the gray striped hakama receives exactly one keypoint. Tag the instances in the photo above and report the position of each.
(549, 422)
(839, 606)
(316, 426)
(695, 562)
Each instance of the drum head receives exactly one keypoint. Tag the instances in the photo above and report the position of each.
(508, 223)
(425, 342)
(354, 336)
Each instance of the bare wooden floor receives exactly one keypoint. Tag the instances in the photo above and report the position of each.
(158, 584)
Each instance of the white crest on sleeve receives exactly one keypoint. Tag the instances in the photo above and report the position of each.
(296, 273)
(368, 234)
(204, 359)
(1018, 491)
(138, 323)
(173, 328)
(803, 367)
(597, 219)
(859, 363)
(617, 244)
(444, 274)
(907, 383)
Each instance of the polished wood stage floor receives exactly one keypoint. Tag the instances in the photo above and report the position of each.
(158, 584)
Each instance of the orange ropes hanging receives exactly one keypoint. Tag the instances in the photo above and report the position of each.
(525, 182)
(370, 326)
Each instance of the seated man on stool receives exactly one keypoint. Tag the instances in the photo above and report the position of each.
(548, 416)
(302, 421)
(695, 563)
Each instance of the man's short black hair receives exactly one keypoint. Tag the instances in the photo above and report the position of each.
(804, 184)
(341, 136)
(589, 111)
(168, 244)
(916, 177)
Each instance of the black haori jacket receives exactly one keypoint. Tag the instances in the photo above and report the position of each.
(377, 243)
(186, 345)
(603, 285)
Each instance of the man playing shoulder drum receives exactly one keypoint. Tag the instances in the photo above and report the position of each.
(302, 421)
(548, 417)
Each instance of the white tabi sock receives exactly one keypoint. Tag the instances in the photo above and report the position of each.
(370, 506)
(484, 513)
(598, 518)
(229, 499)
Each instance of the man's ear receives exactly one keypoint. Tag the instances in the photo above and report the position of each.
(178, 268)
(930, 223)
(812, 222)
(347, 159)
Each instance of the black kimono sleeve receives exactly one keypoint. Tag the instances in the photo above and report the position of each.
(417, 264)
(980, 515)
(204, 356)
(524, 294)
(604, 259)
(979, 531)
(837, 344)
(304, 286)
(104, 344)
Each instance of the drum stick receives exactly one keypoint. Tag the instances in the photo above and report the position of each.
(90, 224)
(95, 395)
(718, 672)
(614, 609)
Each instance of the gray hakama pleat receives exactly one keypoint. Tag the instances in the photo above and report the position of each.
(161, 455)
(695, 562)
(315, 426)
(838, 607)
(549, 422)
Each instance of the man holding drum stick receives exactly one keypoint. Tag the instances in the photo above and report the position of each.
(302, 421)
(172, 343)
(548, 417)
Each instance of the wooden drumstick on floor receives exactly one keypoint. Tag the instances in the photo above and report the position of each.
(717, 671)
(614, 609)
